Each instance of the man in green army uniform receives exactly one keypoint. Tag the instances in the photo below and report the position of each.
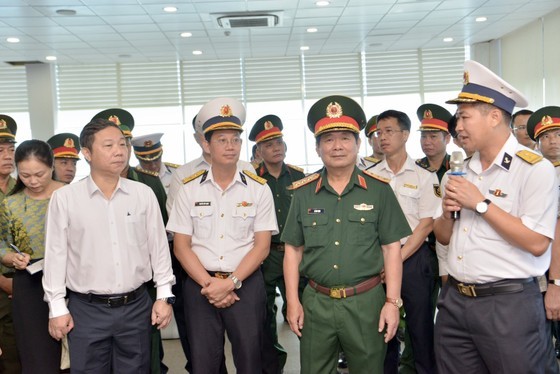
(267, 133)
(370, 130)
(343, 229)
(125, 121)
(9, 360)
(66, 152)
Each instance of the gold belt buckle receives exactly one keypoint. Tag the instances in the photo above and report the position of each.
(221, 275)
(337, 292)
(466, 290)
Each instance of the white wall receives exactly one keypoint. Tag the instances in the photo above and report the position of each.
(530, 60)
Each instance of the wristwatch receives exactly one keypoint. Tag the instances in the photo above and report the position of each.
(482, 207)
(396, 302)
(236, 282)
(555, 282)
(169, 300)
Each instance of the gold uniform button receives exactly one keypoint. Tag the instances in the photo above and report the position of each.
(335, 266)
(222, 236)
(336, 243)
(221, 257)
(459, 258)
(362, 220)
(314, 224)
(339, 198)
(278, 210)
(479, 178)
(222, 215)
(338, 220)
(465, 229)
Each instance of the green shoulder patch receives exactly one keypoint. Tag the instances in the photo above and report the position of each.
(375, 176)
(424, 165)
(296, 168)
(529, 157)
(147, 172)
(302, 182)
(172, 165)
(254, 177)
(194, 176)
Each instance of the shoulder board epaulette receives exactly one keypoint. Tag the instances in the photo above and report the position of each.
(172, 165)
(302, 182)
(424, 166)
(372, 159)
(254, 177)
(556, 164)
(296, 168)
(194, 176)
(375, 176)
(529, 157)
(148, 172)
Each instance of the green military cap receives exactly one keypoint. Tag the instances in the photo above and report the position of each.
(221, 114)
(336, 113)
(266, 128)
(433, 118)
(147, 147)
(119, 117)
(8, 129)
(371, 126)
(65, 145)
(543, 120)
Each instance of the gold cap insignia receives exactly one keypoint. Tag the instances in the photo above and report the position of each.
(3, 124)
(465, 78)
(115, 120)
(547, 121)
(334, 110)
(428, 114)
(268, 125)
(69, 143)
(225, 111)
(148, 143)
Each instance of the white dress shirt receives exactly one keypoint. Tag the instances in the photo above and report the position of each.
(476, 252)
(189, 169)
(415, 188)
(165, 175)
(104, 246)
(222, 223)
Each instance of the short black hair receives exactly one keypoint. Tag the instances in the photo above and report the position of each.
(92, 128)
(522, 112)
(402, 118)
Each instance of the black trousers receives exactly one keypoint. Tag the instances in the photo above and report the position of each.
(244, 323)
(110, 340)
(417, 287)
(39, 352)
(504, 333)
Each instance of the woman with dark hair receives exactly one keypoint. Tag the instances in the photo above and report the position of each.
(22, 222)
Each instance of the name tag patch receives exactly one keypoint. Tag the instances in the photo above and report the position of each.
(202, 203)
(315, 211)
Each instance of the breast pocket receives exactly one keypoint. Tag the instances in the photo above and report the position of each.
(361, 228)
(315, 230)
(202, 221)
(408, 198)
(136, 233)
(243, 219)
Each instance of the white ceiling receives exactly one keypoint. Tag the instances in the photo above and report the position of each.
(106, 31)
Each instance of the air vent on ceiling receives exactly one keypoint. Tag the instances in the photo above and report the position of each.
(251, 19)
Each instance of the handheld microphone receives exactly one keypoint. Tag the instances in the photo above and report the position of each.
(456, 162)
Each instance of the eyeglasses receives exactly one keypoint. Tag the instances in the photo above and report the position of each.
(389, 133)
(522, 128)
(222, 142)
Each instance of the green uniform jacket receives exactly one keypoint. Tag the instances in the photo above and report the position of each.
(425, 163)
(282, 196)
(342, 235)
(154, 183)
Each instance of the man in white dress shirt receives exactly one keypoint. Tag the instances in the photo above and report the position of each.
(491, 315)
(104, 240)
(223, 219)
